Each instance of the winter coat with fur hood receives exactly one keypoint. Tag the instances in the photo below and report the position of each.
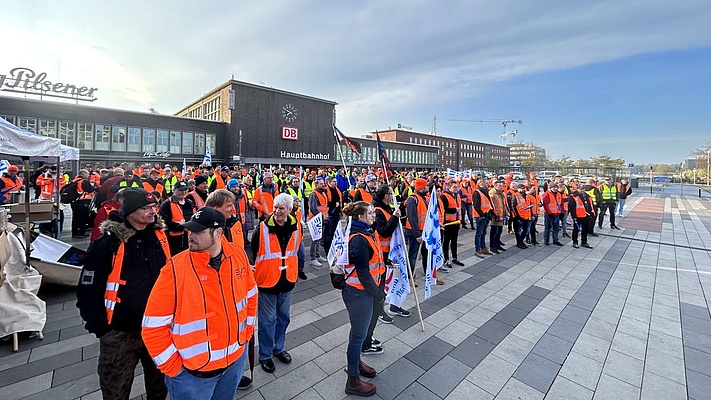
(143, 259)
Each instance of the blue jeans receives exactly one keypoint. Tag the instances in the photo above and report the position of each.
(521, 227)
(272, 319)
(301, 256)
(495, 236)
(223, 386)
(551, 222)
(360, 308)
(621, 206)
(480, 234)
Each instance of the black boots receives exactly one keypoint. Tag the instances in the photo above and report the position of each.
(359, 388)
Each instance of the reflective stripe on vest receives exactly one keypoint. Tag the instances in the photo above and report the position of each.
(365, 196)
(322, 206)
(580, 211)
(114, 282)
(591, 193)
(82, 194)
(608, 192)
(269, 261)
(384, 241)
(199, 202)
(521, 207)
(421, 212)
(484, 204)
(451, 214)
(176, 216)
(375, 264)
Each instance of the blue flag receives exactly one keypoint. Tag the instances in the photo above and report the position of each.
(433, 241)
(207, 160)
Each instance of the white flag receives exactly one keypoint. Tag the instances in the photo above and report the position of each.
(338, 253)
(315, 225)
(185, 169)
(433, 241)
(4, 165)
(397, 285)
(207, 160)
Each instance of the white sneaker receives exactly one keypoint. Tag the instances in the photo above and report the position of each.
(322, 259)
(314, 263)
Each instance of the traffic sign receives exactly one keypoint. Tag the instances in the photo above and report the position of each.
(630, 165)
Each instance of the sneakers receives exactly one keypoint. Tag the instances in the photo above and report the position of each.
(443, 269)
(576, 245)
(314, 263)
(557, 243)
(244, 383)
(321, 259)
(500, 248)
(373, 349)
(397, 311)
(457, 262)
(376, 342)
(386, 319)
(495, 251)
(587, 246)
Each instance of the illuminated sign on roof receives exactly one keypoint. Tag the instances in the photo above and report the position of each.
(25, 80)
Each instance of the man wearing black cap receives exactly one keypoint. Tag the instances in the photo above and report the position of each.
(199, 195)
(220, 180)
(201, 313)
(174, 211)
(120, 269)
(366, 193)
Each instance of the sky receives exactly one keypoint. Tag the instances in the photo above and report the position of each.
(626, 79)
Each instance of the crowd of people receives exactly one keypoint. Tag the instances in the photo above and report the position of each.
(183, 264)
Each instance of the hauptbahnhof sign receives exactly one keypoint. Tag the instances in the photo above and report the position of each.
(25, 80)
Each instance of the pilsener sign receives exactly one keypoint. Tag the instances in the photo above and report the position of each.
(25, 80)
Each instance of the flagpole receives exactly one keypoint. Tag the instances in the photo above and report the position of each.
(412, 276)
(338, 144)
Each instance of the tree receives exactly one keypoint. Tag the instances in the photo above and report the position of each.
(493, 165)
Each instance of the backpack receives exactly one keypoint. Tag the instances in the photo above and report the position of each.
(69, 194)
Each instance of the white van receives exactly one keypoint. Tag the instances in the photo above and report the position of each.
(547, 174)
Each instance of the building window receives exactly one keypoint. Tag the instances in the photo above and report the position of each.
(187, 143)
(9, 118)
(162, 140)
(102, 137)
(48, 128)
(149, 139)
(66, 132)
(175, 142)
(134, 138)
(200, 143)
(211, 109)
(118, 138)
(28, 124)
(210, 140)
(85, 136)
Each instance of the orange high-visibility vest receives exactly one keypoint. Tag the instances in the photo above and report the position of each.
(498, 204)
(421, 212)
(220, 183)
(524, 212)
(365, 195)
(115, 281)
(177, 215)
(384, 241)
(485, 204)
(47, 185)
(199, 318)
(375, 264)
(270, 261)
(150, 189)
(199, 202)
(82, 194)
(263, 201)
(95, 179)
(580, 211)
(534, 201)
(322, 204)
(451, 213)
(10, 185)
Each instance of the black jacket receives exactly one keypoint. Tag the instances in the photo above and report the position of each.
(359, 254)
(166, 213)
(143, 259)
(384, 226)
(572, 204)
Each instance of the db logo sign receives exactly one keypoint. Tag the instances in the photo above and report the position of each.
(289, 133)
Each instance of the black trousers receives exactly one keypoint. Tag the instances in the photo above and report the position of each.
(607, 205)
(592, 220)
(450, 237)
(583, 225)
(80, 217)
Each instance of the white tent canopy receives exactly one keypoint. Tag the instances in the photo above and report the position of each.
(20, 143)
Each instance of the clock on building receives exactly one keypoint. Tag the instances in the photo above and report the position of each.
(289, 112)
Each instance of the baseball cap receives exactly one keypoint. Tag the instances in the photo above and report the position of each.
(370, 177)
(225, 169)
(204, 218)
(181, 186)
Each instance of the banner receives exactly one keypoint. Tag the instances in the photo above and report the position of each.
(433, 241)
(207, 160)
(397, 285)
(315, 225)
(338, 253)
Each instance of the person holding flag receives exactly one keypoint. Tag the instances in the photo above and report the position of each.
(432, 238)
(360, 291)
(416, 211)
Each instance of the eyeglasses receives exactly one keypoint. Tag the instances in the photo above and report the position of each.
(149, 208)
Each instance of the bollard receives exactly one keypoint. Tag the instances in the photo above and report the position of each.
(699, 192)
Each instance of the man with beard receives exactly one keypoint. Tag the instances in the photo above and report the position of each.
(120, 269)
(154, 184)
(366, 193)
(207, 291)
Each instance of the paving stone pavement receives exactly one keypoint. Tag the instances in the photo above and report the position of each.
(628, 319)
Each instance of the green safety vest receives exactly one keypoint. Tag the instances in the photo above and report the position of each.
(608, 192)
(170, 183)
(309, 187)
(294, 192)
(591, 193)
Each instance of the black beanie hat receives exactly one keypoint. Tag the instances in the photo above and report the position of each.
(135, 198)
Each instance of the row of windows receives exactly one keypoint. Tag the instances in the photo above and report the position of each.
(396, 156)
(105, 137)
(209, 110)
(451, 145)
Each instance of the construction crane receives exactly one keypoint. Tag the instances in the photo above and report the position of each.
(503, 122)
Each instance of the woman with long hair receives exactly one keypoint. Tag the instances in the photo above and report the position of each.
(360, 290)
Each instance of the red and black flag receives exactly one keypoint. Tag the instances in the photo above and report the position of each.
(383, 154)
(352, 144)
